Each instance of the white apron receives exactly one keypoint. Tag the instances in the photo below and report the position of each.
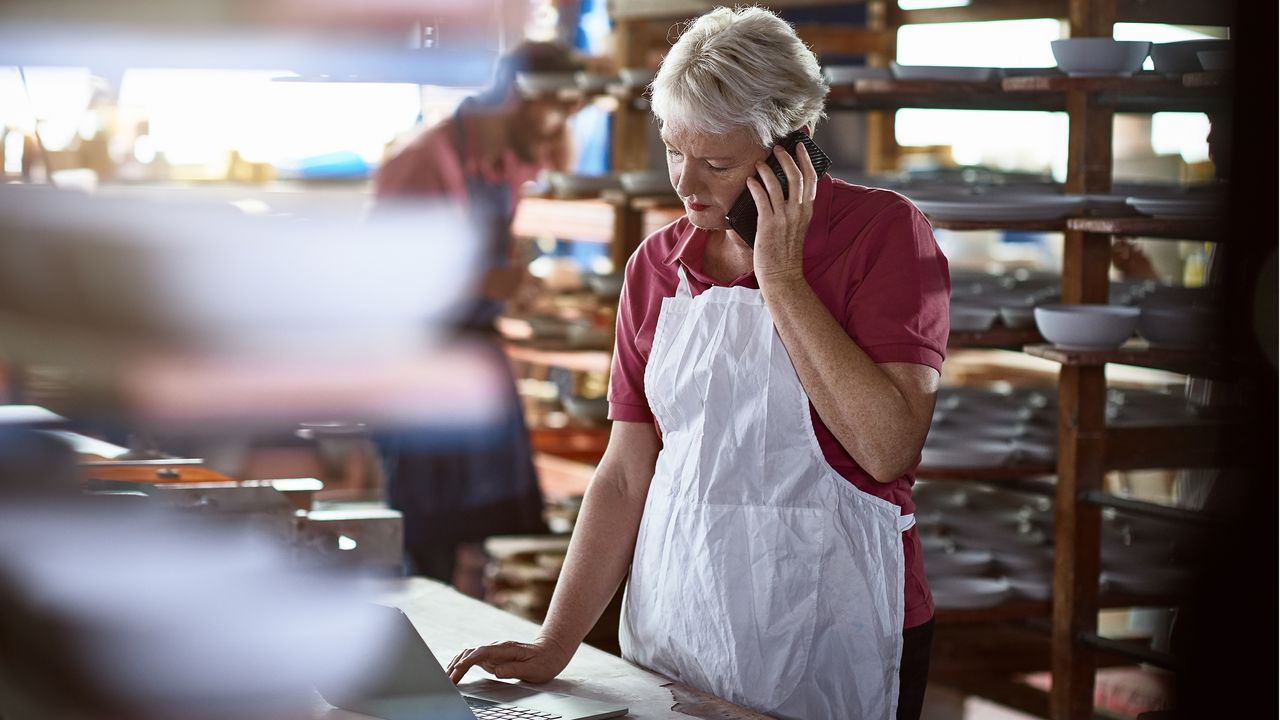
(760, 574)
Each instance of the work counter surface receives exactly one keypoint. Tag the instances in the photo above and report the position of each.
(450, 621)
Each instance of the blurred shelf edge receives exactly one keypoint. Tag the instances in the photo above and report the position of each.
(587, 220)
(1003, 472)
(995, 338)
(1055, 225)
(684, 9)
(1194, 228)
(348, 53)
(579, 444)
(874, 94)
(1180, 13)
(562, 478)
(581, 360)
(251, 14)
(1144, 92)
(1198, 363)
(1023, 608)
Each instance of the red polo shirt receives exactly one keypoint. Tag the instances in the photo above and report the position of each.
(872, 260)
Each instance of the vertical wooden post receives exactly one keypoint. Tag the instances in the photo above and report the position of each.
(882, 145)
(630, 142)
(628, 232)
(1081, 401)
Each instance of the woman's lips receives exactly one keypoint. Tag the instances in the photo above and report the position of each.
(697, 207)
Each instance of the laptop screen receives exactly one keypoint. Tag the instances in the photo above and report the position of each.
(410, 685)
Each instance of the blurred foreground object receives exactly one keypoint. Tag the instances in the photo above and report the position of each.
(188, 312)
(437, 42)
(113, 606)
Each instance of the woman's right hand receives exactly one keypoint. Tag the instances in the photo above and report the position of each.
(536, 662)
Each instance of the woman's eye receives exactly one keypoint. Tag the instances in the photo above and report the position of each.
(674, 154)
(715, 168)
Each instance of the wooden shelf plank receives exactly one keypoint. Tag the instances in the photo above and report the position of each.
(569, 359)
(1143, 92)
(1004, 472)
(1016, 225)
(1023, 608)
(1206, 79)
(1150, 510)
(875, 94)
(1137, 353)
(996, 337)
(1147, 227)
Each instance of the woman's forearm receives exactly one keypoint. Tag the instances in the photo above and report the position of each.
(858, 401)
(599, 556)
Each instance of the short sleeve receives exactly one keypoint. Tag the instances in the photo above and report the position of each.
(627, 399)
(899, 309)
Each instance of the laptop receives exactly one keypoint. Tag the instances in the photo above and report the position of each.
(415, 687)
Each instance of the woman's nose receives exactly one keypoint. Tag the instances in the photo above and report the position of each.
(685, 183)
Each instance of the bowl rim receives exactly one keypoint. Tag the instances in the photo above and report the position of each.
(1120, 311)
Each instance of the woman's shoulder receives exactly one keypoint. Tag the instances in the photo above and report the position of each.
(867, 222)
(850, 201)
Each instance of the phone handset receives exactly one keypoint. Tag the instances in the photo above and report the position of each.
(743, 215)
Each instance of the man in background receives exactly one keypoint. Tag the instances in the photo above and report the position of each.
(459, 490)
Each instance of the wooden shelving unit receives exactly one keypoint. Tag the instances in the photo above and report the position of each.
(1088, 448)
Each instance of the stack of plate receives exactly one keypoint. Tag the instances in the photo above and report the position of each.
(1011, 208)
(850, 74)
(944, 73)
(975, 429)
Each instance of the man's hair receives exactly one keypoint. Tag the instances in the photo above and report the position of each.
(527, 57)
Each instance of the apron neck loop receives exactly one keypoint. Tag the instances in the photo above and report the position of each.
(682, 289)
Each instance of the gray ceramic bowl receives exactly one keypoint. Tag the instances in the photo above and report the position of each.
(1178, 58)
(1177, 326)
(1087, 328)
(1099, 56)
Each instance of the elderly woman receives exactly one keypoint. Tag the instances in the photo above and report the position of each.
(770, 404)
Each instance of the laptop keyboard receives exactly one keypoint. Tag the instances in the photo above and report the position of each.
(485, 710)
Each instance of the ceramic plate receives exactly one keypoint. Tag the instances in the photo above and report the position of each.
(944, 73)
(1046, 208)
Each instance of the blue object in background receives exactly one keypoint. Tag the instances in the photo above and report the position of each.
(591, 126)
(343, 165)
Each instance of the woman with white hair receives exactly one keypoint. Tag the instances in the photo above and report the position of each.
(770, 404)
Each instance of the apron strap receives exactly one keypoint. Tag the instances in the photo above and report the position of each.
(682, 289)
(906, 522)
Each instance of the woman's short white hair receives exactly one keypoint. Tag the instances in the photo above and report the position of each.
(740, 68)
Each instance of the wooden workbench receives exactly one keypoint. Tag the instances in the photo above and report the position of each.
(450, 621)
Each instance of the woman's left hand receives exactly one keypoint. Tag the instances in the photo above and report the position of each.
(783, 222)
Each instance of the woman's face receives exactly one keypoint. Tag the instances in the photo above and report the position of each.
(710, 171)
